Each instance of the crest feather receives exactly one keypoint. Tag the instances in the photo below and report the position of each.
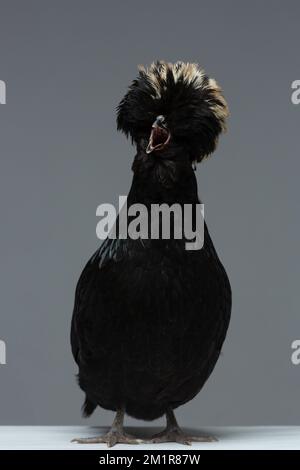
(192, 103)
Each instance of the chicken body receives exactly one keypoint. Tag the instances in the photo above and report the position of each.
(150, 317)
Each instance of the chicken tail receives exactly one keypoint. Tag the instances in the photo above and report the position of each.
(88, 407)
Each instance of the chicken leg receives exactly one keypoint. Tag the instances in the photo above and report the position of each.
(116, 434)
(173, 433)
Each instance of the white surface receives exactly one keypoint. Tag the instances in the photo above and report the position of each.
(59, 437)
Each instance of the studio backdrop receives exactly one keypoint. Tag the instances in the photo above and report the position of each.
(64, 67)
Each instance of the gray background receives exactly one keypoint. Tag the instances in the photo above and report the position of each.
(66, 65)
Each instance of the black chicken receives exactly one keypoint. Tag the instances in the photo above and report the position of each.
(150, 317)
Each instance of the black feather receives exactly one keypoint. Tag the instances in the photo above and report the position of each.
(88, 407)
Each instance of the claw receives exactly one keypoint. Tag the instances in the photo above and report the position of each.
(111, 438)
(176, 435)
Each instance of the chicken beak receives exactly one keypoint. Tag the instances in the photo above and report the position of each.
(159, 138)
